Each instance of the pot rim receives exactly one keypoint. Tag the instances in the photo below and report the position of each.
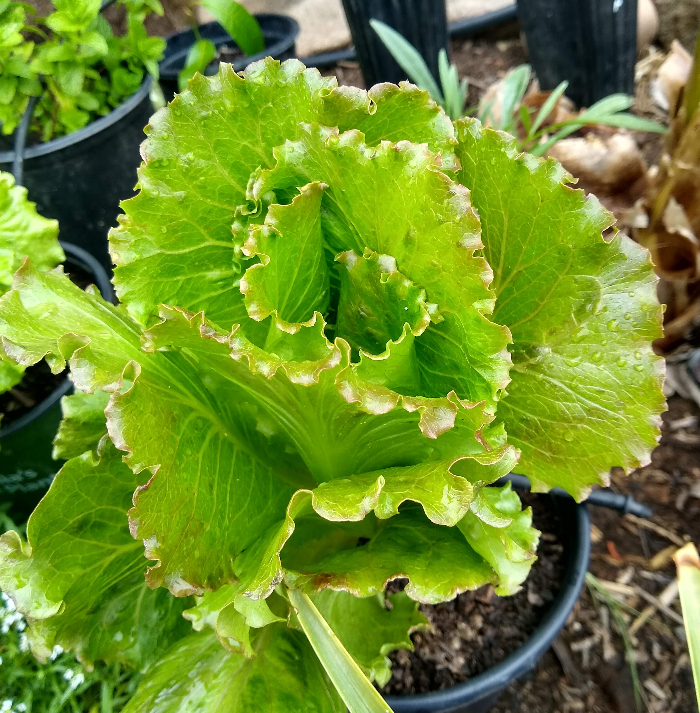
(87, 132)
(526, 657)
(83, 259)
(283, 44)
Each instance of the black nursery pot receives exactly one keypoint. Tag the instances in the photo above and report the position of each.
(479, 694)
(279, 32)
(79, 179)
(422, 22)
(26, 465)
(592, 44)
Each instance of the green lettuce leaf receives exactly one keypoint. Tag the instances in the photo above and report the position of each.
(502, 533)
(232, 615)
(393, 200)
(586, 392)
(23, 233)
(438, 561)
(199, 155)
(83, 425)
(198, 674)
(371, 628)
(79, 579)
(228, 450)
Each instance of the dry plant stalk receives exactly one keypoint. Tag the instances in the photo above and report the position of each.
(670, 217)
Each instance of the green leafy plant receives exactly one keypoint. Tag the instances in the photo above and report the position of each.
(238, 22)
(331, 343)
(23, 232)
(530, 127)
(72, 62)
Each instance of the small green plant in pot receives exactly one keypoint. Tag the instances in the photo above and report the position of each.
(536, 129)
(72, 62)
(238, 22)
(343, 318)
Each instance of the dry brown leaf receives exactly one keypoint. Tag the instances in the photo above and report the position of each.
(671, 78)
(602, 165)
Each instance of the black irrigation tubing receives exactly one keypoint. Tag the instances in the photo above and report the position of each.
(21, 141)
(467, 27)
(604, 498)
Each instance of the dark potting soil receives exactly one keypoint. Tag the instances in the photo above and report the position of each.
(478, 629)
(38, 382)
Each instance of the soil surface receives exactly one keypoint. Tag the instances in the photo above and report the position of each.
(38, 382)
(479, 629)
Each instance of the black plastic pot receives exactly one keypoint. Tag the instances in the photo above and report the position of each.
(279, 31)
(26, 465)
(422, 22)
(80, 179)
(480, 693)
(590, 43)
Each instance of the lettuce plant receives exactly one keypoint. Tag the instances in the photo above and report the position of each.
(342, 318)
(23, 232)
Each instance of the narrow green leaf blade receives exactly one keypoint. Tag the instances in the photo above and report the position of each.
(632, 122)
(547, 108)
(359, 695)
(198, 57)
(609, 105)
(408, 58)
(512, 92)
(239, 23)
(688, 566)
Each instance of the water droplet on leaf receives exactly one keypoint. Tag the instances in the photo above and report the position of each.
(597, 357)
(612, 325)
